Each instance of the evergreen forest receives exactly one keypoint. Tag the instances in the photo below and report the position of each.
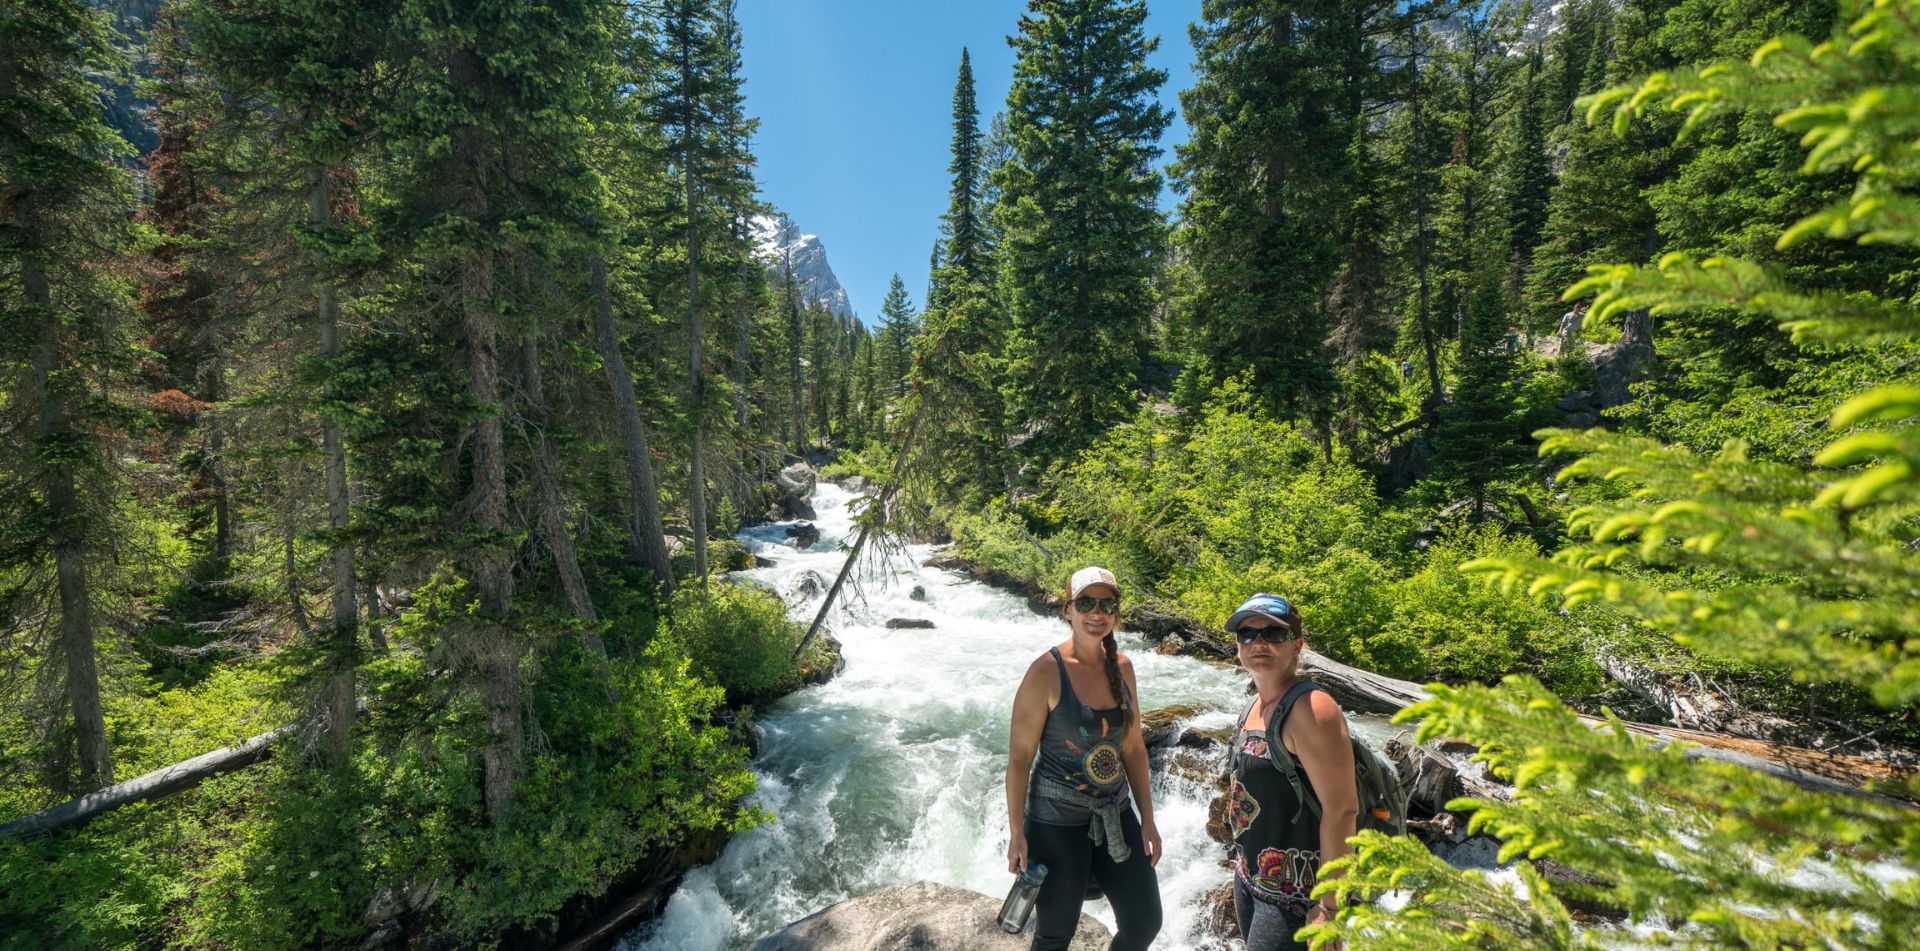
(385, 387)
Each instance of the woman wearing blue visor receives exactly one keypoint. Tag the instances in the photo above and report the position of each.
(1291, 800)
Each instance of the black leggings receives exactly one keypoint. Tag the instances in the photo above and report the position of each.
(1071, 858)
(1266, 926)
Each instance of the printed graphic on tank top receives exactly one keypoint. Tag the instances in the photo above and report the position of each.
(1276, 857)
(1079, 750)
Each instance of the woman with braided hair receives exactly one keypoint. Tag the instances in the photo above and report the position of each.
(1075, 763)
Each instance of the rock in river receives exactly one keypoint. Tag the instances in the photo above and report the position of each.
(802, 535)
(1164, 725)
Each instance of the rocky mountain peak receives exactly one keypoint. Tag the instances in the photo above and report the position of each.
(777, 238)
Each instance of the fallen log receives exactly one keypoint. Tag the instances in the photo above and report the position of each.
(1360, 691)
(1368, 692)
(1692, 707)
(164, 781)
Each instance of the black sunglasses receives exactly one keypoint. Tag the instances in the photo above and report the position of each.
(1274, 634)
(1087, 602)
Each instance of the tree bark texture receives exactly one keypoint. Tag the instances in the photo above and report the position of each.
(553, 503)
(338, 692)
(487, 561)
(82, 676)
(646, 536)
(697, 488)
(81, 687)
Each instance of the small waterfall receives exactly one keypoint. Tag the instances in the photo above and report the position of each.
(895, 770)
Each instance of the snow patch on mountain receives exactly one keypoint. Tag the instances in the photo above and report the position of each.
(775, 243)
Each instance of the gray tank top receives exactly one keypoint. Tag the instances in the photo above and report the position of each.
(1079, 750)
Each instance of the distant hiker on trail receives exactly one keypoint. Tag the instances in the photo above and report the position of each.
(1570, 324)
(1280, 838)
(1406, 369)
(1075, 713)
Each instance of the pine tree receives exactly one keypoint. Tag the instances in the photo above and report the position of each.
(63, 219)
(179, 292)
(1480, 438)
(1420, 146)
(1265, 171)
(956, 376)
(490, 164)
(1801, 570)
(1580, 41)
(1528, 173)
(701, 103)
(996, 150)
(1080, 227)
(896, 344)
(1360, 319)
(1474, 82)
(309, 60)
(795, 343)
(1734, 184)
(963, 234)
(870, 417)
(822, 350)
(1599, 209)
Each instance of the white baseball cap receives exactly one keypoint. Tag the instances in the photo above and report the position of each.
(1089, 576)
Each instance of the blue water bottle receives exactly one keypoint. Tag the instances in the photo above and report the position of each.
(1019, 904)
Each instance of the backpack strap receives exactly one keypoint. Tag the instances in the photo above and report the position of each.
(1282, 758)
(1233, 746)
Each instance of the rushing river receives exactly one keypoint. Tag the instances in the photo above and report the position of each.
(895, 770)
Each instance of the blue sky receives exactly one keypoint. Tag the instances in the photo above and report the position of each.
(855, 102)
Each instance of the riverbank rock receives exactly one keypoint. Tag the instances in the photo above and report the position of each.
(1173, 634)
(922, 916)
(823, 661)
(1217, 829)
(726, 554)
(919, 593)
(1039, 598)
(386, 919)
(909, 624)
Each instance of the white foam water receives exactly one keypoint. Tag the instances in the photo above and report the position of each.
(894, 771)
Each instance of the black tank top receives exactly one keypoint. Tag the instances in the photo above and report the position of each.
(1276, 857)
(1079, 749)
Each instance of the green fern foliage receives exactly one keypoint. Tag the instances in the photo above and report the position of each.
(1812, 571)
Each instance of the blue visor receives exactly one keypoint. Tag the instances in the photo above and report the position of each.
(1270, 606)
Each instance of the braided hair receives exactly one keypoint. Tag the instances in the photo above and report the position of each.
(1111, 658)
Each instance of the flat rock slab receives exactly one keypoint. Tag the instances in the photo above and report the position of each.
(922, 916)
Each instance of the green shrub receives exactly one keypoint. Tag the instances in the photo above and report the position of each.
(1449, 626)
(1000, 538)
(624, 759)
(1344, 597)
(735, 635)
